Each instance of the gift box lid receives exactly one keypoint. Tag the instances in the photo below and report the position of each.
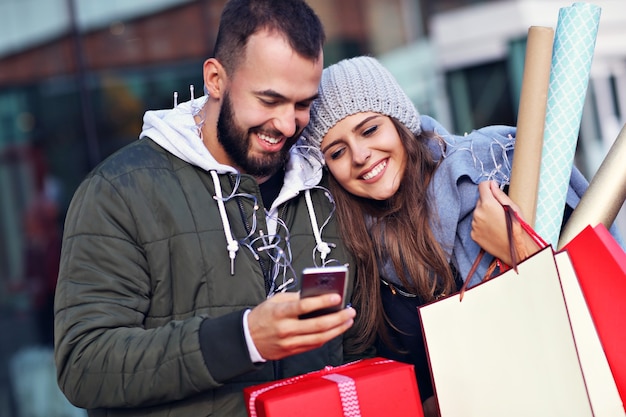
(368, 388)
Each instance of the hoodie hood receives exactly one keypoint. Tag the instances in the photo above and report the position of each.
(176, 131)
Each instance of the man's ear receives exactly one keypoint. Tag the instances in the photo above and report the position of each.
(214, 78)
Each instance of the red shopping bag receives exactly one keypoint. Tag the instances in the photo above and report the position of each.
(600, 264)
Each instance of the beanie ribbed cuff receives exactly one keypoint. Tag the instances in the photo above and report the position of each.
(353, 86)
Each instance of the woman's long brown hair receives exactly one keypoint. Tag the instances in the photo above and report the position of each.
(402, 232)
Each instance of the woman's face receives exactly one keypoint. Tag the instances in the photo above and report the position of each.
(365, 154)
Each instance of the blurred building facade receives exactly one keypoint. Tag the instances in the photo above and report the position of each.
(77, 75)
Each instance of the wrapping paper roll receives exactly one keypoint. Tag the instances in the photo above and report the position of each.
(574, 42)
(605, 196)
(530, 121)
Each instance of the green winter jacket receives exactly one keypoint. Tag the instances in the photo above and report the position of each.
(148, 317)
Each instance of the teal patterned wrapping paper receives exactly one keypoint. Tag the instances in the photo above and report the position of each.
(574, 43)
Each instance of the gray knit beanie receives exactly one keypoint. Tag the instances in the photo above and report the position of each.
(357, 85)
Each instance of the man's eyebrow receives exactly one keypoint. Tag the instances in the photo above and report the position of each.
(270, 93)
(312, 98)
(277, 95)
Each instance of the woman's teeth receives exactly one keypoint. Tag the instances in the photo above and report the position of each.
(375, 171)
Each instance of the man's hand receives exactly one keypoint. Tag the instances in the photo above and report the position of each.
(489, 223)
(277, 331)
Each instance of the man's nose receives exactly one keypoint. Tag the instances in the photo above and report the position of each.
(285, 121)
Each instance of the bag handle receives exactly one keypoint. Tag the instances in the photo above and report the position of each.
(516, 248)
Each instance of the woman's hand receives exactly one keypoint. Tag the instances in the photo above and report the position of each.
(489, 225)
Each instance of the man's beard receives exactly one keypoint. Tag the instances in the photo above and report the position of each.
(236, 143)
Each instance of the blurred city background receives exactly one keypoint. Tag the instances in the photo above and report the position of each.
(77, 75)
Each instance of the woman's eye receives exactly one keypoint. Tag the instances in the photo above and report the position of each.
(336, 154)
(370, 130)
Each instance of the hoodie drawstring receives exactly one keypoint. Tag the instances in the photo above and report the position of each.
(232, 245)
(321, 246)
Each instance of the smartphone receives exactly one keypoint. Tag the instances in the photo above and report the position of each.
(324, 280)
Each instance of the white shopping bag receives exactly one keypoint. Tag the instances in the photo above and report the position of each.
(602, 389)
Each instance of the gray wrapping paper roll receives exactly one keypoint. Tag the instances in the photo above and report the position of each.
(604, 197)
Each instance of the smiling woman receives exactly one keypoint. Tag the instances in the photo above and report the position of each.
(419, 189)
(367, 159)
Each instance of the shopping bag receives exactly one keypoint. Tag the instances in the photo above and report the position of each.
(603, 392)
(508, 348)
(522, 343)
(600, 264)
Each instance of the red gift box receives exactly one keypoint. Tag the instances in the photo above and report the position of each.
(367, 388)
(600, 263)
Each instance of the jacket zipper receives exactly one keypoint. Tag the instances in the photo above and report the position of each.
(248, 228)
(277, 364)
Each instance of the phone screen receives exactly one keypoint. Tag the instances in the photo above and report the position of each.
(324, 280)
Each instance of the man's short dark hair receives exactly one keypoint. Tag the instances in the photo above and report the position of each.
(294, 19)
